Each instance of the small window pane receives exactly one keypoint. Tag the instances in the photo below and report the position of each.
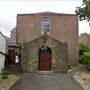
(46, 30)
(45, 25)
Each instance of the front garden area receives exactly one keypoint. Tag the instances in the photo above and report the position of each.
(7, 79)
(84, 56)
(83, 78)
(6, 84)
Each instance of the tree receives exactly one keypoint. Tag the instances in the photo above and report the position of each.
(84, 11)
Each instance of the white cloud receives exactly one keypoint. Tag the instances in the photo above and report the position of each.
(9, 10)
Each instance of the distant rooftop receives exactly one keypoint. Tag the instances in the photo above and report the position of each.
(85, 34)
(11, 42)
(13, 30)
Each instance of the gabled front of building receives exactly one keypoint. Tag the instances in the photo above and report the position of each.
(13, 33)
(49, 41)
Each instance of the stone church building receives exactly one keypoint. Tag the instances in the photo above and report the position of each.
(49, 41)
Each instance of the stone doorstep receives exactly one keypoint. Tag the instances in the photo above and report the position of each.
(10, 84)
(45, 72)
(81, 83)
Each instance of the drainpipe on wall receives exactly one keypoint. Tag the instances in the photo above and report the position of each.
(22, 51)
(22, 58)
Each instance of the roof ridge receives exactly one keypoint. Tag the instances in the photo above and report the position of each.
(47, 12)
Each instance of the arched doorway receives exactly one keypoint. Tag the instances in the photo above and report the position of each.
(45, 58)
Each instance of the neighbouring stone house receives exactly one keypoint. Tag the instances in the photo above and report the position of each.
(2, 50)
(84, 38)
(13, 34)
(49, 41)
(12, 48)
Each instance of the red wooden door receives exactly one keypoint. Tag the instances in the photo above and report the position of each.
(12, 56)
(45, 60)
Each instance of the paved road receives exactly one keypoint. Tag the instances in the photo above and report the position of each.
(58, 81)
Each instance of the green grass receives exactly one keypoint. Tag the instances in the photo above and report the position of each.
(86, 58)
(87, 54)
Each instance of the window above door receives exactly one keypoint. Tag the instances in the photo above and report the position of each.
(45, 25)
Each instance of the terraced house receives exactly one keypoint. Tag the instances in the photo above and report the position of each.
(49, 41)
(84, 38)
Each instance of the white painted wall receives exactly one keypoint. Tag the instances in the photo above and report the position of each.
(2, 49)
(2, 58)
(2, 43)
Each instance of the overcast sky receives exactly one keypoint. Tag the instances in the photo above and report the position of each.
(10, 9)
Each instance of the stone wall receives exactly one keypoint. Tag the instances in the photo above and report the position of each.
(31, 55)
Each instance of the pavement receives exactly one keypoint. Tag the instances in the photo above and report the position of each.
(55, 81)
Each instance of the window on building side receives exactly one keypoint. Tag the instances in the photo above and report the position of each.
(45, 26)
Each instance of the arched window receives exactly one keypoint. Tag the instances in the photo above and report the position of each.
(45, 26)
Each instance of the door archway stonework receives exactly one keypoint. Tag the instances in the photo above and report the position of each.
(59, 57)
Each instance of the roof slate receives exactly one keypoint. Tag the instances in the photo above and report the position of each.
(11, 42)
(13, 30)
